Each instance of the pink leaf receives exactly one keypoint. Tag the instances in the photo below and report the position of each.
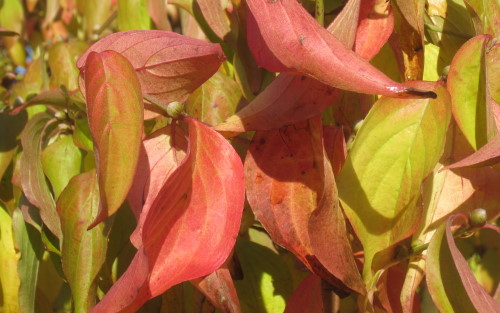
(486, 155)
(307, 297)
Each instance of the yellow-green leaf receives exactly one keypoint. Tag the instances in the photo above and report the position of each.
(8, 264)
(400, 142)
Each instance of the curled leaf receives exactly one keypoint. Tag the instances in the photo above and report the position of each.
(169, 65)
(115, 114)
(298, 43)
(187, 219)
(450, 281)
(291, 189)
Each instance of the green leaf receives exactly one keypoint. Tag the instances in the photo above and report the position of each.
(82, 136)
(9, 280)
(133, 15)
(450, 281)
(32, 178)
(215, 100)
(62, 62)
(115, 114)
(467, 87)
(30, 246)
(82, 252)
(398, 144)
(61, 161)
(94, 13)
(487, 15)
(267, 283)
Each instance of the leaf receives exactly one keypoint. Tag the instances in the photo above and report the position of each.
(376, 23)
(288, 99)
(8, 33)
(158, 12)
(335, 147)
(219, 288)
(292, 192)
(133, 15)
(398, 144)
(161, 154)
(218, 19)
(186, 220)
(9, 279)
(82, 252)
(266, 283)
(94, 13)
(467, 87)
(62, 62)
(215, 100)
(488, 14)
(307, 297)
(345, 24)
(304, 46)
(169, 65)
(115, 114)
(11, 127)
(486, 155)
(30, 246)
(61, 161)
(32, 178)
(389, 288)
(409, 26)
(82, 136)
(450, 281)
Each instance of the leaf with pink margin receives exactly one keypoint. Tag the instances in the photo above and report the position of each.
(376, 23)
(115, 115)
(452, 285)
(304, 46)
(169, 65)
(197, 212)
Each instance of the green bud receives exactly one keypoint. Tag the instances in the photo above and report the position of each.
(63, 127)
(175, 109)
(477, 218)
(61, 115)
(357, 126)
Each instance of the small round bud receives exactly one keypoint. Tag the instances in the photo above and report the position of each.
(478, 217)
(175, 109)
(445, 71)
(61, 115)
(18, 101)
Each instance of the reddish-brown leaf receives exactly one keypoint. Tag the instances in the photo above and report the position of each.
(115, 114)
(389, 290)
(307, 297)
(376, 23)
(169, 65)
(219, 288)
(291, 189)
(451, 283)
(300, 44)
(197, 213)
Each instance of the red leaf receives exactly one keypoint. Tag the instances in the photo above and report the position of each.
(302, 45)
(449, 278)
(389, 290)
(307, 297)
(197, 213)
(487, 155)
(169, 65)
(291, 189)
(376, 23)
(115, 114)
(219, 288)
